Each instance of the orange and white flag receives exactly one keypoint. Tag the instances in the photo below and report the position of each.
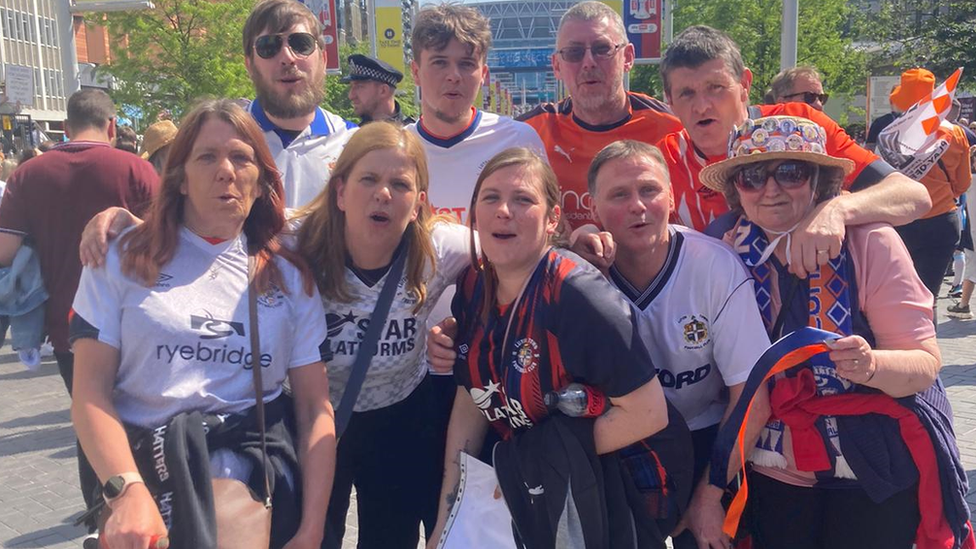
(910, 143)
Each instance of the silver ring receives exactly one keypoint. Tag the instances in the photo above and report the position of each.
(821, 251)
(856, 362)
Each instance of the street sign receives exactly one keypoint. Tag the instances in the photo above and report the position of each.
(642, 20)
(388, 35)
(879, 88)
(20, 84)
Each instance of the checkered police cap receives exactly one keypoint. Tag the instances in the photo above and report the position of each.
(362, 67)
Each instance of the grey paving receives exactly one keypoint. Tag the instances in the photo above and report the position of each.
(38, 479)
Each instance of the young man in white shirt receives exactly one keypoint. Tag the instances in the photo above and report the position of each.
(450, 44)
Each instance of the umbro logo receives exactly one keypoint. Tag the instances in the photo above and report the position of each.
(162, 281)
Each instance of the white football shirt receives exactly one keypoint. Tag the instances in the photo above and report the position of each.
(184, 343)
(455, 163)
(700, 323)
(400, 363)
(306, 161)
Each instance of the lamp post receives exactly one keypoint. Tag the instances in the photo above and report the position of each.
(787, 48)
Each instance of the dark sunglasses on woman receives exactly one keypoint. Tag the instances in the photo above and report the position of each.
(301, 44)
(808, 97)
(791, 174)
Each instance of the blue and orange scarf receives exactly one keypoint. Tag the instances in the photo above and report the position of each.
(829, 304)
(802, 358)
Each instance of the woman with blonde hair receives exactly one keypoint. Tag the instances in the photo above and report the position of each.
(374, 212)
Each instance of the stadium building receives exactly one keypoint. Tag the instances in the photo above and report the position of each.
(523, 39)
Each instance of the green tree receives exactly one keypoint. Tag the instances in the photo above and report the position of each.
(167, 57)
(936, 35)
(646, 79)
(756, 24)
(182, 50)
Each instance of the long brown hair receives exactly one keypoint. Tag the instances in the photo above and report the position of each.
(322, 235)
(153, 244)
(531, 162)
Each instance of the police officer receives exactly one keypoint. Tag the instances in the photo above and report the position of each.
(372, 86)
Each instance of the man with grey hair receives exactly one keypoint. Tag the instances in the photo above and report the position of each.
(592, 56)
(800, 84)
(695, 306)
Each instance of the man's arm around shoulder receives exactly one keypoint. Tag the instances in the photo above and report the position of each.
(896, 199)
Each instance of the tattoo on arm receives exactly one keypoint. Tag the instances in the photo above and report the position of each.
(451, 497)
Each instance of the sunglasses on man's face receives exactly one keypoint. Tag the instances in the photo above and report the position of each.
(301, 44)
(791, 174)
(600, 50)
(808, 97)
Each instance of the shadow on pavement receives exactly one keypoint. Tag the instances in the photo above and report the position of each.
(66, 531)
(48, 367)
(46, 418)
(56, 438)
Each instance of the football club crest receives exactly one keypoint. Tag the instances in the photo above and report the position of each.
(527, 355)
(274, 297)
(695, 331)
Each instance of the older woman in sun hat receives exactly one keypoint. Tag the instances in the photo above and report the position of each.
(826, 475)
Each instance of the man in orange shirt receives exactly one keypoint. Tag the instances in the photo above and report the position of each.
(592, 56)
(707, 86)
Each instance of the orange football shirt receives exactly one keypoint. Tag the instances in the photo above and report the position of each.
(571, 144)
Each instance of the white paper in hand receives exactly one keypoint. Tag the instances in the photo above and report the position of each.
(477, 518)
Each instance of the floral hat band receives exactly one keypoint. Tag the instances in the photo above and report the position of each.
(772, 138)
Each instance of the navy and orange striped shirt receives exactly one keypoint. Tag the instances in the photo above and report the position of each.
(570, 325)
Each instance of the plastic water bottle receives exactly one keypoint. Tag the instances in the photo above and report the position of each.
(576, 400)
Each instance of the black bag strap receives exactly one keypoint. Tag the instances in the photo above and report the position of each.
(252, 306)
(367, 347)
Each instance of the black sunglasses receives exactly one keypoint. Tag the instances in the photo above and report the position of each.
(300, 43)
(809, 97)
(791, 174)
(602, 50)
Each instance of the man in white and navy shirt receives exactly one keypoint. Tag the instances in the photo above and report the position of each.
(450, 45)
(696, 308)
(287, 66)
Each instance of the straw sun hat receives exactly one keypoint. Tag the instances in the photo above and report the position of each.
(773, 138)
(158, 136)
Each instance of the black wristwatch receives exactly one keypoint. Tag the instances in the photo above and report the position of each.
(117, 485)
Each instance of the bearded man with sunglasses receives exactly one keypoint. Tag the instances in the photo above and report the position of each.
(592, 56)
(799, 85)
(284, 53)
(707, 86)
